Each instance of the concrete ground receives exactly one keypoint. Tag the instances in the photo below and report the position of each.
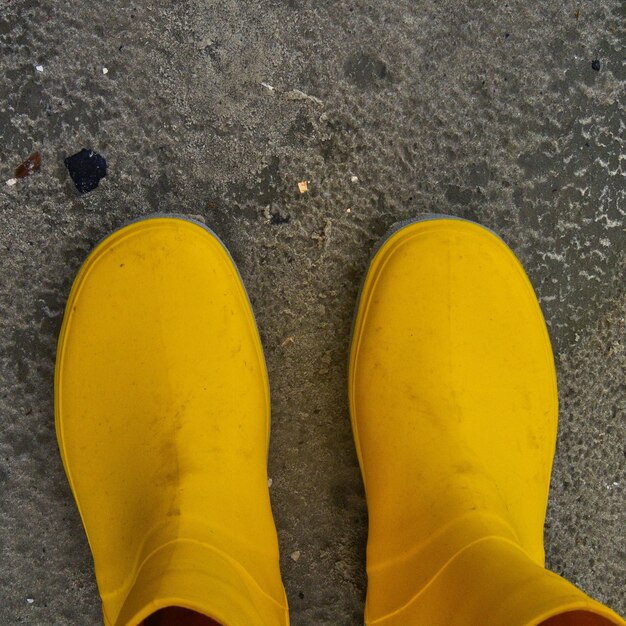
(509, 113)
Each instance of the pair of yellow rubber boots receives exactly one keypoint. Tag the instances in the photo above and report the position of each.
(163, 417)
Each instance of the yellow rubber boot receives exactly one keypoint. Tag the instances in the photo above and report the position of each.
(162, 418)
(454, 410)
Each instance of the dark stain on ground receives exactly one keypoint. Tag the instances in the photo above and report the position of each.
(271, 182)
(364, 70)
(461, 195)
(479, 175)
(268, 190)
(302, 128)
(212, 50)
(29, 99)
(342, 140)
(4, 475)
(276, 218)
(27, 349)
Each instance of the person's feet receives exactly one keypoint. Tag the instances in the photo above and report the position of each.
(162, 414)
(454, 409)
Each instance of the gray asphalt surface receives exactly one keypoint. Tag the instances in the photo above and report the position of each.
(508, 113)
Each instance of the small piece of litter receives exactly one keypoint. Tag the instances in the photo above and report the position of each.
(296, 94)
(595, 65)
(267, 86)
(295, 556)
(348, 210)
(30, 165)
(11, 182)
(86, 168)
(277, 218)
(303, 186)
(30, 600)
(287, 342)
(39, 68)
(354, 179)
(105, 70)
(269, 482)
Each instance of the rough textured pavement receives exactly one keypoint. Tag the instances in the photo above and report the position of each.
(509, 113)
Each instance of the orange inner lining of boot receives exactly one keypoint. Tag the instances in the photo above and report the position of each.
(177, 616)
(577, 618)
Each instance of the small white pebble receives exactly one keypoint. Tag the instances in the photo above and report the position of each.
(11, 182)
(30, 600)
(295, 555)
(348, 211)
(39, 68)
(105, 70)
(269, 482)
(354, 179)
